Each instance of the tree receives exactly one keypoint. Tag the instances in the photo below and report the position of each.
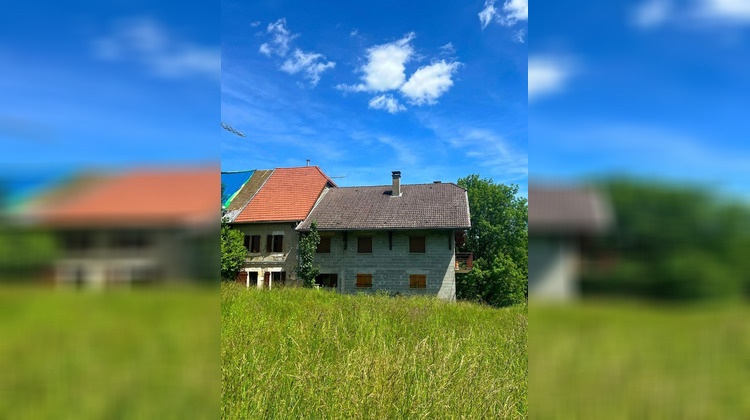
(498, 239)
(307, 270)
(233, 249)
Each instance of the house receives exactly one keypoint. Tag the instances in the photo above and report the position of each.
(138, 226)
(559, 219)
(267, 209)
(394, 238)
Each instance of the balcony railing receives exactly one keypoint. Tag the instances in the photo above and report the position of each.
(464, 261)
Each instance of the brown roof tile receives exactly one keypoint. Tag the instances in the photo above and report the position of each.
(421, 206)
(288, 194)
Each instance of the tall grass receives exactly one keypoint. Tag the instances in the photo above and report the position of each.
(292, 353)
(620, 360)
(115, 355)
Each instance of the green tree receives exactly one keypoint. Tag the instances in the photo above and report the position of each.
(233, 251)
(498, 239)
(307, 270)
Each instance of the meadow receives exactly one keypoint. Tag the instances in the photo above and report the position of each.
(624, 360)
(302, 353)
(67, 354)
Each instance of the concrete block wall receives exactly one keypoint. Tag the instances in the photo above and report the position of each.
(390, 268)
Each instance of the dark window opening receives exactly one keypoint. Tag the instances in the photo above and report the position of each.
(324, 247)
(417, 244)
(278, 243)
(364, 245)
(327, 280)
(255, 243)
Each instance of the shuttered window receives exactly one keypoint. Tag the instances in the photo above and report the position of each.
(418, 281)
(416, 244)
(364, 245)
(247, 242)
(325, 245)
(364, 280)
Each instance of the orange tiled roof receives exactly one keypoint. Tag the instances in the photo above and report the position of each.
(288, 194)
(150, 197)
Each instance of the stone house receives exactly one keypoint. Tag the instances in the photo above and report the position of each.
(267, 209)
(396, 238)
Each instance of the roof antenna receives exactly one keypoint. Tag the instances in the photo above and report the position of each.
(308, 162)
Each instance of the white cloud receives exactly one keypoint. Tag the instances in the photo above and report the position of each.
(385, 71)
(652, 13)
(255, 24)
(385, 66)
(281, 37)
(311, 64)
(354, 32)
(520, 36)
(429, 82)
(512, 12)
(448, 49)
(696, 15)
(547, 74)
(387, 103)
(146, 41)
(727, 10)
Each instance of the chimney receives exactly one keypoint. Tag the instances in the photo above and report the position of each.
(396, 191)
(308, 162)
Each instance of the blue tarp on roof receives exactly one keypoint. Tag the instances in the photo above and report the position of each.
(233, 182)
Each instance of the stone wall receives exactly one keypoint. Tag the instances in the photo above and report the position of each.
(391, 266)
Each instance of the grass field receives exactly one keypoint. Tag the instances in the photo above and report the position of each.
(619, 360)
(298, 353)
(115, 355)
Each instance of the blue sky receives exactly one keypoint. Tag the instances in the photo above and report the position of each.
(654, 88)
(437, 90)
(109, 85)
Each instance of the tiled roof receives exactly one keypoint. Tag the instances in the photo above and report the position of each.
(288, 194)
(567, 210)
(143, 197)
(422, 206)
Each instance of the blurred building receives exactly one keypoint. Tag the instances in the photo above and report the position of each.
(559, 220)
(144, 225)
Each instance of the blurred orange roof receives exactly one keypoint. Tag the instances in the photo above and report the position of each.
(143, 197)
(288, 194)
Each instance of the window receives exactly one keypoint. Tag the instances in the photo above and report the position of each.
(325, 245)
(77, 241)
(278, 278)
(417, 281)
(130, 239)
(416, 244)
(275, 243)
(364, 245)
(247, 242)
(255, 243)
(327, 280)
(364, 280)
